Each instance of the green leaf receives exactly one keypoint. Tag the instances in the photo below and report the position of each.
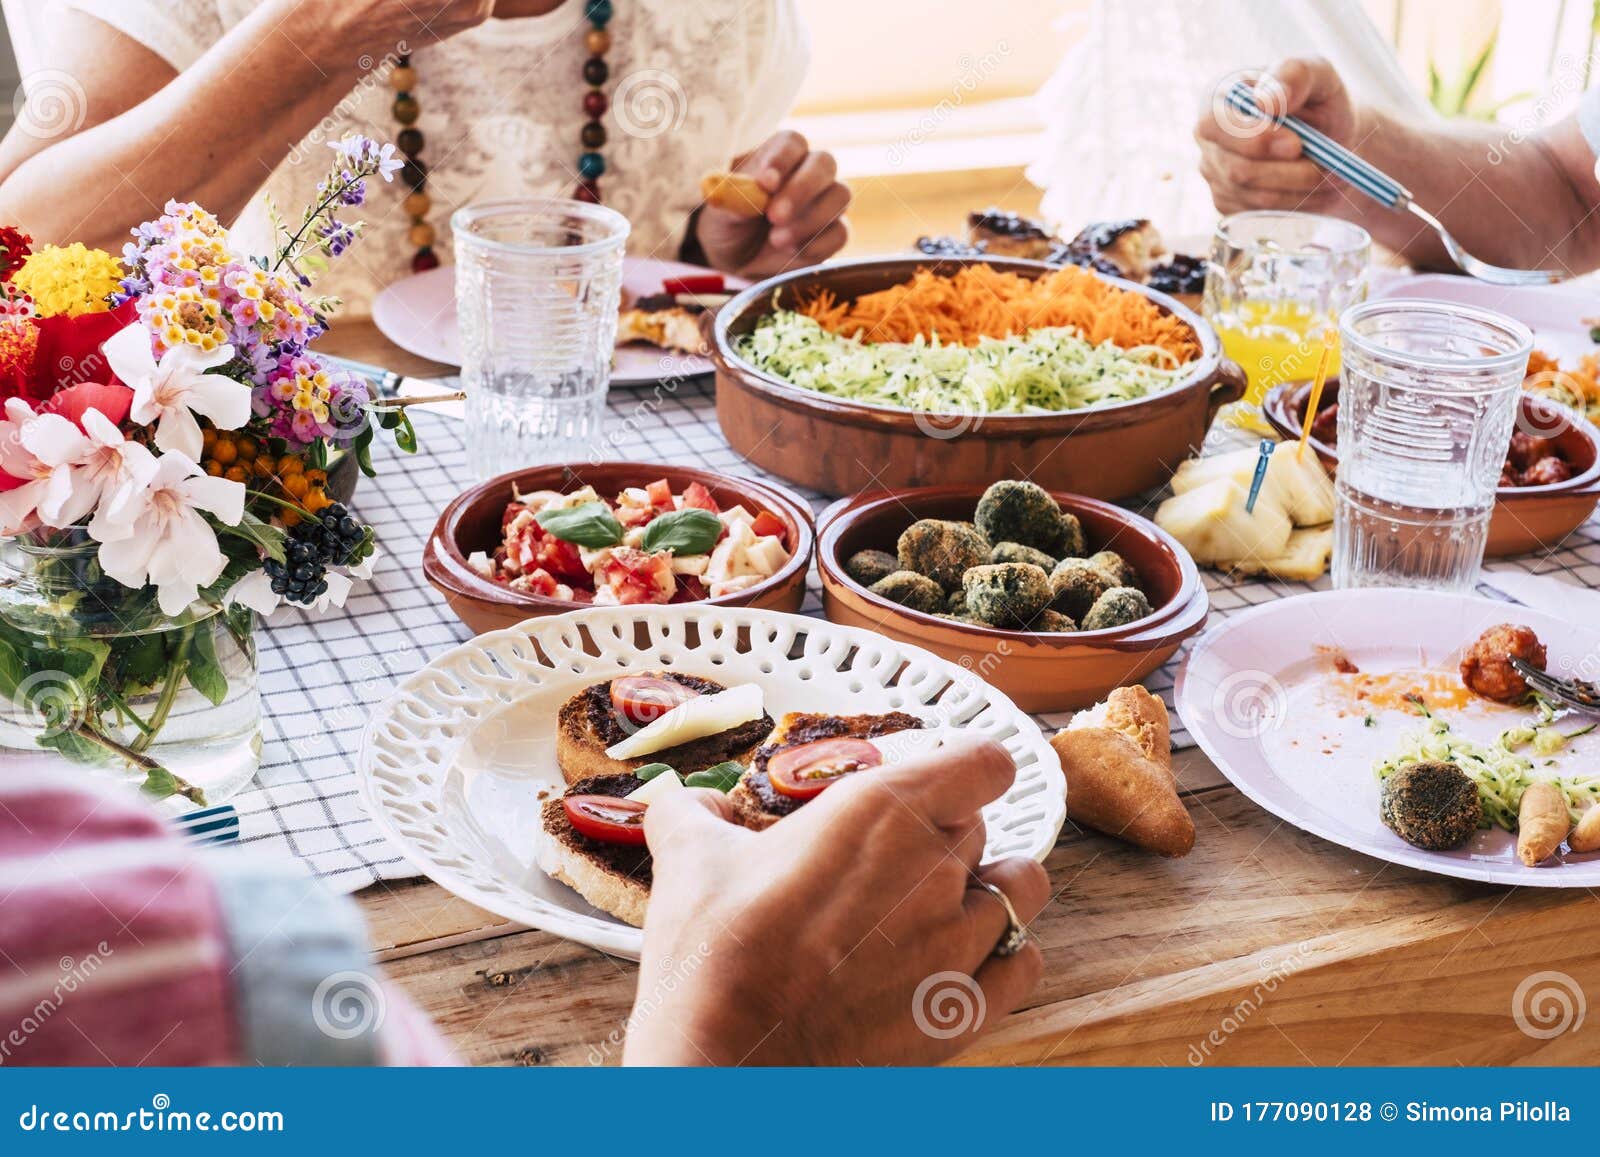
(719, 777)
(161, 783)
(361, 447)
(649, 771)
(405, 434)
(589, 524)
(683, 532)
(263, 534)
(13, 668)
(139, 660)
(74, 746)
(205, 669)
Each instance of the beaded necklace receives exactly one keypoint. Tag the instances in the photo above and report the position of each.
(591, 164)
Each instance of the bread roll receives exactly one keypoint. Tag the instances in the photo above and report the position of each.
(1117, 757)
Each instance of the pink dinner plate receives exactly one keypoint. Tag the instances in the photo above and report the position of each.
(1262, 698)
(1558, 315)
(418, 314)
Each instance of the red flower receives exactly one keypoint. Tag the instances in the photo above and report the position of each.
(112, 401)
(15, 248)
(66, 353)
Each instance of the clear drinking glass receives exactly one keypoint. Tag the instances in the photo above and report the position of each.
(1426, 407)
(1274, 283)
(538, 284)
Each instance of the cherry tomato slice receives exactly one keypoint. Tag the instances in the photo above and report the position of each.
(766, 523)
(695, 283)
(607, 818)
(697, 496)
(660, 493)
(804, 772)
(643, 698)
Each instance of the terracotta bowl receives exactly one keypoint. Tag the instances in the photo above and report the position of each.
(1041, 672)
(472, 522)
(841, 447)
(1525, 517)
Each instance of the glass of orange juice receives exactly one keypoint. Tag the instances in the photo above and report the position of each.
(1276, 283)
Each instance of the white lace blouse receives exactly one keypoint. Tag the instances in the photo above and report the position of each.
(691, 85)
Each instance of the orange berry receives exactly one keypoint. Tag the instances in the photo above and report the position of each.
(291, 518)
(214, 468)
(296, 485)
(317, 477)
(237, 474)
(208, 437)
(262, 466)
(225, 452)
(247, 447)
(289, 464)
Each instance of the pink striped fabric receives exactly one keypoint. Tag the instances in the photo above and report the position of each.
(113, 949)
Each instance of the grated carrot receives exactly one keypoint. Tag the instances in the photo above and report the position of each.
(979, 301)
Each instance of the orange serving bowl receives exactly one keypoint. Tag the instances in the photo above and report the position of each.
(838, 446)
(1040, 672)
(471, 522)
(1525, 517)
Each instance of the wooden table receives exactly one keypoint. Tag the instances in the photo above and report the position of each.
(1265, 945)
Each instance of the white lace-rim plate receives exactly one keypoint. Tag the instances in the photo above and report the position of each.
(476, 833)
(1254, 696)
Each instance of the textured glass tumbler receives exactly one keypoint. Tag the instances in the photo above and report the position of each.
(1427, 403)
(538, 285)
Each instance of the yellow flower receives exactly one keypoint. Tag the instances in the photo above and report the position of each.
(71, 280)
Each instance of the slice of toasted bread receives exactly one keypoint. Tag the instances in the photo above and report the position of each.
(613, 877)
(756, 803)
(587, 724)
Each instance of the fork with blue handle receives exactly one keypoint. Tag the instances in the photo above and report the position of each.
(1326, 153)
(212, 825)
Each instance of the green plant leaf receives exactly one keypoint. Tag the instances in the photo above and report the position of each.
(205, 669)
(719, 777)
(262, 534)
(74, 746)
(589, 524)
(138, 660)
(683, 532)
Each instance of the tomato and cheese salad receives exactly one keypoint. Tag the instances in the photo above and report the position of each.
(648, 545)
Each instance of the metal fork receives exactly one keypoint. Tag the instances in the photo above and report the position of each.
(1575, 693)
(1323, 151)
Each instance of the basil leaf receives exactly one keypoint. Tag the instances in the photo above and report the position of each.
(683, 532)
(649, 771)
(721, 777)
(589, 524)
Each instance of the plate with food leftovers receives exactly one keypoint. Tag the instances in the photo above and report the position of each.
(659, 326)
(1052, 597)
(1129, 247)
(515, 770)
(551, 539)
(1396, 724)
(913, 371)
(1549, 483)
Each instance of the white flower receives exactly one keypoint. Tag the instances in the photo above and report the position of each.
(42, 450)
(151, 530)
(358, 150)
(173, 392)
(255, 591)
(109, 463)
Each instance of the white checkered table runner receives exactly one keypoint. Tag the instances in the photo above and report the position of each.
(320, 675)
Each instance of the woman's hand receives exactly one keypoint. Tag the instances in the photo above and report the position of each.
(853, 932)
(802, 224)
(1252, 165)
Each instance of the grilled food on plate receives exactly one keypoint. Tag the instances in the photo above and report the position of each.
(670, 319)
(625, 743)
(809, 752)
(689, 723)
(735, 192)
